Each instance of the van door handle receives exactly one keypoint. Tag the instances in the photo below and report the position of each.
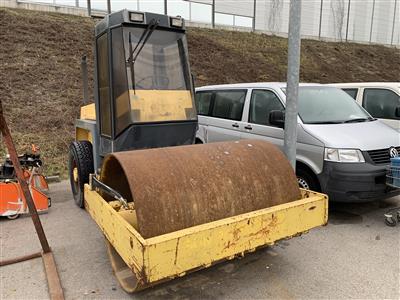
(248, 127)
(235, 125)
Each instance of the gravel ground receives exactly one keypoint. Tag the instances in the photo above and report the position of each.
(355, 256)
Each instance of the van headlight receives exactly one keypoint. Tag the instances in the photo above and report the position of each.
(344, 155)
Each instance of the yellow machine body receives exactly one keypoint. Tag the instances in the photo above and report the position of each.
(140, 263)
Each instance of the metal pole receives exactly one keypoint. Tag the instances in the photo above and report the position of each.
(77, 3)
(109, 6)
(394, 21)
(190, 11)
(22, 182)
(372, 21)
(320, 19)
(348, 18)
(165, 7)
(293, 74)
(89, 8)
(84, 79)
(213, 14)
(254, 15)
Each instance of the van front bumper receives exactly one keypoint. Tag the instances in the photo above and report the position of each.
(355, 182)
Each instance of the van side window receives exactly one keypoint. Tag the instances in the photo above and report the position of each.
(351, 92)
(261, 104)
(381, 103)
(203, 102)
(229, 104)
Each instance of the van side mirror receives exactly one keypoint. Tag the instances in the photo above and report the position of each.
(397, 112)
(277, 118)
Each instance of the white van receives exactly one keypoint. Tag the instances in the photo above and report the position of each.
(380, 99)
(341, 150)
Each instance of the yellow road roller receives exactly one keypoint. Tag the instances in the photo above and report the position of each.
(165, 205)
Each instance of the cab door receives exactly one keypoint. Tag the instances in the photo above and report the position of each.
(257, 126)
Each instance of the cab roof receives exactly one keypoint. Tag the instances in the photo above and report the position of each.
(122, 17)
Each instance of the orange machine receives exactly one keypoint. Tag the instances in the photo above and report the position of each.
(12, 201)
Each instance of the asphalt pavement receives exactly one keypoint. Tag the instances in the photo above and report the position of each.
(355, 256)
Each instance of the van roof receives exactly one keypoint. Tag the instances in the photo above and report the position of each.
(367, 84)
(276, 85)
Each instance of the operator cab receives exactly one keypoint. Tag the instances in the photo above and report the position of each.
(143, 90)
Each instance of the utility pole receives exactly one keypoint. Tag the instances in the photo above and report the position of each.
(165, 7)
(394, 21)
(213, 14)
(293, 75)
(109, 6)
(320, 19)
(372, 20)
(348, 19)
(254, 15)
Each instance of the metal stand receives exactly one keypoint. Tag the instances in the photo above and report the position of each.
(53, 280)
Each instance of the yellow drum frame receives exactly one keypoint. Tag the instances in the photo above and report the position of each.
(139, 263)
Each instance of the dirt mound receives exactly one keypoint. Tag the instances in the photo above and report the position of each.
(40, 78)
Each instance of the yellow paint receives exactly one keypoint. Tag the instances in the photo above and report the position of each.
(160, 105)
(82, 134)
(88, 112)
(75, 174)
(174, 254)
(116, 229)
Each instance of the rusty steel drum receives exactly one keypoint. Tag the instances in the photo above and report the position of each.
(179, 187)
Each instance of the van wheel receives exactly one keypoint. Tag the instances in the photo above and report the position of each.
(307, 180)
(80, 166)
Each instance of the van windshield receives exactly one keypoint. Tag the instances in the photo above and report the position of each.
(329, 105)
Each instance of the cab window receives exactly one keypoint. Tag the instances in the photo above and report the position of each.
(229, 104)
(104, 93)
(261, 104)
(351, 92)
(381, 103)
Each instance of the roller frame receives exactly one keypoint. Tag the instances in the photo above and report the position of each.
(171, 255)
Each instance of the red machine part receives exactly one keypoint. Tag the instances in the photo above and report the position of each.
(13, 203)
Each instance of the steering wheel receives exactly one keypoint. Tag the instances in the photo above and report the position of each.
(163, 81)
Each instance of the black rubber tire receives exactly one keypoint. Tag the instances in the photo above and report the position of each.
(308, 178)
(81, 157)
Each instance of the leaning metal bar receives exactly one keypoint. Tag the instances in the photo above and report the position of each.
(19, 259)
(24, 186)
